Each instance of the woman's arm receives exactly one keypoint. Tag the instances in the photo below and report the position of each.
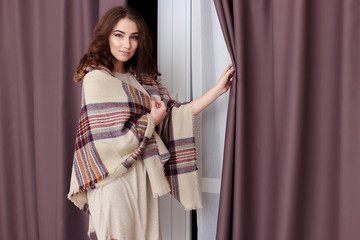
(158, 108)
(219, 89)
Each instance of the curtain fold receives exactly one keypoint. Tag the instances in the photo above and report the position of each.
(291, 159)
(41, 44)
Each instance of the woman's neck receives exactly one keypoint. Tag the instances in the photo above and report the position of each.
(119, 67)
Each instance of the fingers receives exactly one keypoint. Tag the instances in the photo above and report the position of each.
(230, 66)
(231, 73)
(158, 110)
(160, 104)
(227, 69)
(157, 104)
(152, 102)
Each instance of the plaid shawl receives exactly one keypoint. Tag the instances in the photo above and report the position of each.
(116, 129)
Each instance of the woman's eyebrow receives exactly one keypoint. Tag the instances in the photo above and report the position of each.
(124, 32)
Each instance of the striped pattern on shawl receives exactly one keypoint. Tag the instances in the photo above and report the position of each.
(115, 130)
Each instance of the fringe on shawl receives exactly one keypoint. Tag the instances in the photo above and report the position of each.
(177, 132)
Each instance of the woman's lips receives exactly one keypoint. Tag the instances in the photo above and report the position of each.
(125, 53)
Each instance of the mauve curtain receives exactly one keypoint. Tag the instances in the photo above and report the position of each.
(292, 150)
(41, 44)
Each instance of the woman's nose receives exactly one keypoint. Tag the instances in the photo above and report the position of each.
(127, 43)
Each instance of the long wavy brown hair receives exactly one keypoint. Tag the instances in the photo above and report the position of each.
(99, 54)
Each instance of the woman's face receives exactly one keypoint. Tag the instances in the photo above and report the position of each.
(123, 40)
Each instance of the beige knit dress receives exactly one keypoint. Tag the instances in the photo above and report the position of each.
(125, 208)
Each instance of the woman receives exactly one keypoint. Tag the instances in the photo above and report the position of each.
(133, 142)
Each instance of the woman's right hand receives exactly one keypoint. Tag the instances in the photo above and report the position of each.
(158, 111)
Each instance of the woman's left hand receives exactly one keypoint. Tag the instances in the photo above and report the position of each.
(224, 82)
(219, 89)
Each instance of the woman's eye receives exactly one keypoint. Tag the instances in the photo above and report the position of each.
(135, 37)
(117, 35)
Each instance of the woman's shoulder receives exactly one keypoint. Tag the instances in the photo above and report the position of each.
(100, 79)
(96, 74)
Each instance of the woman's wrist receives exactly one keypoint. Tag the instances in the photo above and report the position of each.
(217, 91)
